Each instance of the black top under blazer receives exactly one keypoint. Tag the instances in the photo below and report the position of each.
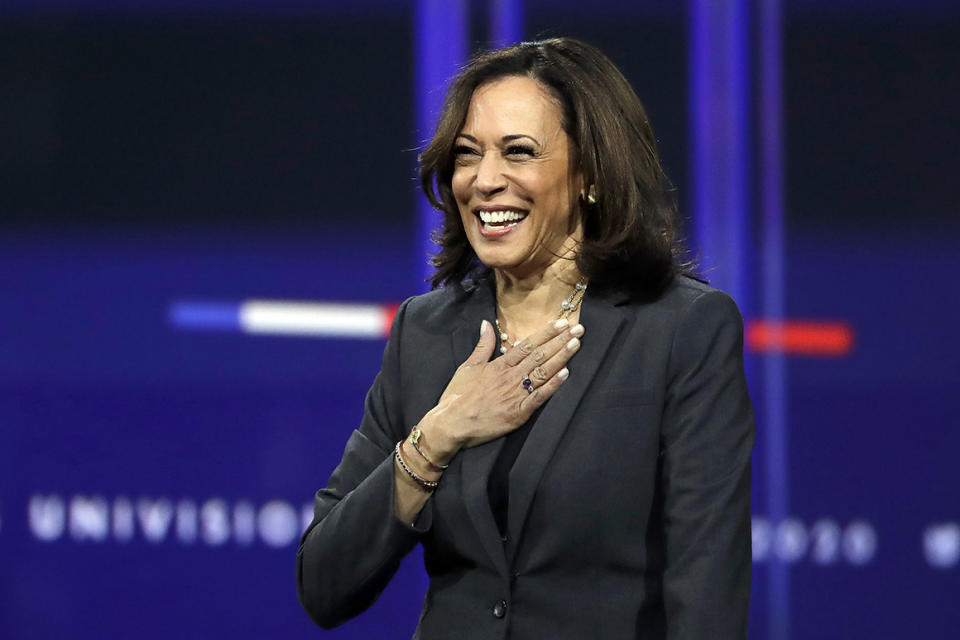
(629, 503)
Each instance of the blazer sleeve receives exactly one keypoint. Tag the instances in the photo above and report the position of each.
(355, 542)
(707, 439)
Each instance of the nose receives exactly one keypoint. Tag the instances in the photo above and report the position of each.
(490, 179)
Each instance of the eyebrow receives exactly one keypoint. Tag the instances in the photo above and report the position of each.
(509, 138)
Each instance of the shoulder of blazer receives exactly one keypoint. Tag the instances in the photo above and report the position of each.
(441, 310)
(682, 292)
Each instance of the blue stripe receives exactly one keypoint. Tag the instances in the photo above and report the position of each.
(441, 28)
(506, 22)
(774, 291)
(204, 316)
(719, 77)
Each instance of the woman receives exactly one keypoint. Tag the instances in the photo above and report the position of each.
(560, 489)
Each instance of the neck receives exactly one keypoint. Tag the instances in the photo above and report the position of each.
(526, 303)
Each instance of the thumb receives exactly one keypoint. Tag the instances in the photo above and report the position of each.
(485, 345)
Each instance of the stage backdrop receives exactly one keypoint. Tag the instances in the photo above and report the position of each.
(208, 217)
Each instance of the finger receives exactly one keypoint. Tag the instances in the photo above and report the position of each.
(568, 340)
(485, 345)
(560, 353)
(529, 344)
(541, 394)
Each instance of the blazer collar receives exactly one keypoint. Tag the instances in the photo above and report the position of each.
(479, 304)
(602, 319)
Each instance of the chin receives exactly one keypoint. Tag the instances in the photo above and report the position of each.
(502, 255)
(521, 266)
(497, 261)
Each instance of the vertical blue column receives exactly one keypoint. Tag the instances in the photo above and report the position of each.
(722, 178)
(506, 22)
(774, 284)
(720, 73)
(719, 83)
(441, 30)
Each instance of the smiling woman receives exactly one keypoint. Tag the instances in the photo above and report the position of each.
(574, 97)
(513, 181)
(594, 480)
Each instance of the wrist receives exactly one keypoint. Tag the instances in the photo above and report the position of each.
(435, 442)
(417, 464)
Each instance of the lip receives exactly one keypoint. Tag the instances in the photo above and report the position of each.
(497, 232)
(498, 207)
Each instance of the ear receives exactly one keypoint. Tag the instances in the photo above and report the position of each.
(580, 181)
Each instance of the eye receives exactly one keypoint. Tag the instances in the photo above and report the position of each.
(464, 150)
(520, 150)
(463, 155)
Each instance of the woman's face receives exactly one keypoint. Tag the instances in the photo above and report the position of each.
(512, 178)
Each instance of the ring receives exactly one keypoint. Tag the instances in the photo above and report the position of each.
(527, 384)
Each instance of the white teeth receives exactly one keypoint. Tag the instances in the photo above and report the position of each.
(501, 216)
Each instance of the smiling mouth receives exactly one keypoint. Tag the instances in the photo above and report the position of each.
(500, 220)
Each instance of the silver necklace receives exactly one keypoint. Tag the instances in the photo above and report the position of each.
(567, 307)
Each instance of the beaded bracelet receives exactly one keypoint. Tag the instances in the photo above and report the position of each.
(425, 484)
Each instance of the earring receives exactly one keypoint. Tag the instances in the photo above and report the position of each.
(592, 195)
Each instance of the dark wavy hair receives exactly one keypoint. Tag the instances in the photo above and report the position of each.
(629, 233)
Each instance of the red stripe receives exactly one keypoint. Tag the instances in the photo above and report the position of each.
(389, 311)
(799, 337)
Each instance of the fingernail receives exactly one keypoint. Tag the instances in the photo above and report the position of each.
(561, 323)
(577, 330)
(573, 344)
(563, 373)
(483, 327)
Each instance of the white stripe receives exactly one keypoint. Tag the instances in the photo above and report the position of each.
(313, 319)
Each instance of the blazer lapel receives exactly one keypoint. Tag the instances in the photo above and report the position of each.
(602, 321)
(476, 462)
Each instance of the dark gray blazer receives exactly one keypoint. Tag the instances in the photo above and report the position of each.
(629, 504)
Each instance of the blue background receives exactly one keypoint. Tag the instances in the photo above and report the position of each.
(162, 152)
